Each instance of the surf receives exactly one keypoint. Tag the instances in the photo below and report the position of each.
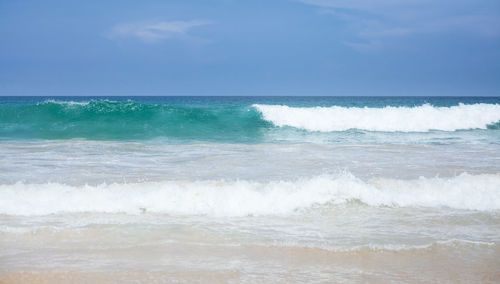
(422, 118)
(246, 197)
(231, 120)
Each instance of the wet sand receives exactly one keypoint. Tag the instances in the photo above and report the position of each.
(259, 264)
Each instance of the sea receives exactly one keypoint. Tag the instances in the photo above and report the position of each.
(250, 189)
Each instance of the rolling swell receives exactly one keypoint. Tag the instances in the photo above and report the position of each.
(103, 120)
(231, 121)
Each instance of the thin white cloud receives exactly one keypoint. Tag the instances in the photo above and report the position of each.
(152, 32)
(373, 21)
(372, 5)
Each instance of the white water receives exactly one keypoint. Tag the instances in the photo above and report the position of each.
(404, 119)
(242, 198)
(202, 207)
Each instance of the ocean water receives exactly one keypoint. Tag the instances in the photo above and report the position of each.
(252, 189)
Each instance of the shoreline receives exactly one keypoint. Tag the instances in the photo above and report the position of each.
(182, 263)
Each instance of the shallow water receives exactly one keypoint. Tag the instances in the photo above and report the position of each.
(104, 190)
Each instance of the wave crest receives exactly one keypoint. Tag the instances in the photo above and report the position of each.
(404, 119)
(241, 198)
(108, 120)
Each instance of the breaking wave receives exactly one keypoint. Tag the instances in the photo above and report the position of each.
(404, 119)
(129, 120)
(243, 198)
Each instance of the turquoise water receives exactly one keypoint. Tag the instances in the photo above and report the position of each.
(85, 181)
(245, 120)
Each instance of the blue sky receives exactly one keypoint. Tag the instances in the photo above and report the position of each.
(257, 47)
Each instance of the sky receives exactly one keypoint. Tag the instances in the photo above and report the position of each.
(256, 47)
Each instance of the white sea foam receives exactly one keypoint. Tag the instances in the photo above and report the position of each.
(386, 246)
(75, 103)
(241, 198)
(69, 103)
(405, 119)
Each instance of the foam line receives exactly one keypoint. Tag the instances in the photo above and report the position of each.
(404, 119)
(242, 198)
